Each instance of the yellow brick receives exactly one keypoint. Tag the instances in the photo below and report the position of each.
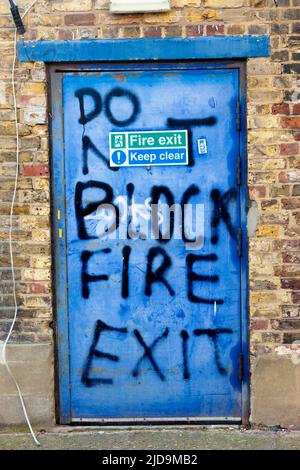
(211, 15)
(233, 15)
(101, 4)
(196, 16)
(264, 122)
(259, 82)
(4, 8)
(38, 130)
(264, 177)
(39, 210)
(264, 298)
(223, 4)
(26, 157)
(263, 67)
(257, 246)
(40, 262)
(265, 258)
(33, 222)
(185, 3)
(3, 96)
(165, 18)
(269, 231)
(263, 151)
(255, 337)
(35, 301)
(40, 183)
(266, 311)
(33, 88)
(42, 156)
(44, 143)
(275, 281)
(254, 109)
(7, 143)
(261, 137)
(267, 164)
(24, 130)
(265, 96)
(273, 207)
(6, 21)
(45, 20)
(36, 275)
(45, 33)
(7, 128)
(261, 269)
(277, 297)
(40, 235)
(71, 5)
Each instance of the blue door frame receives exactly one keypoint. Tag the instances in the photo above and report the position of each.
(56, 75)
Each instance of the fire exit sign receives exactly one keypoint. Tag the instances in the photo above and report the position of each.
(148, 148)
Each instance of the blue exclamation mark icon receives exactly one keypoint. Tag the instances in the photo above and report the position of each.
(118, 157)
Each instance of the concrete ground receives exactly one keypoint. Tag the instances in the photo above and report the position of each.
(153, 438)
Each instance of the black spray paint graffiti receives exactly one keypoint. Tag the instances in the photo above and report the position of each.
(81, 210)
(81, 94)
(157, 276)
(93, 352)
(191, 191)
(131, 97)
(98, 105)
(156, 193)
(88, 145)
(148, 355)
(213, 335)
(85, 117)
(185, 337)
(86, 278)
(130, 192)
(125, 271)
(192, 277)
(190, 124)
(220, 211)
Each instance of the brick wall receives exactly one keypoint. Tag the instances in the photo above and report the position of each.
(274, 177)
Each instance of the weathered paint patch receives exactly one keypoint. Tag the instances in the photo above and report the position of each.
(252, 218)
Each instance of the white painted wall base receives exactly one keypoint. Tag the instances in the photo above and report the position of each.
(32, 365)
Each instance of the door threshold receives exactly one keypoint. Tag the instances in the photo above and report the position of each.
(156, 421)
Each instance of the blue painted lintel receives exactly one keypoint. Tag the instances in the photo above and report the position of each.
(206, 47)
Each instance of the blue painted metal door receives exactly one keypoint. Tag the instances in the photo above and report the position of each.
(154, 315)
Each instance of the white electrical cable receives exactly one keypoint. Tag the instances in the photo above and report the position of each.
(10, 237)
(29, 8)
